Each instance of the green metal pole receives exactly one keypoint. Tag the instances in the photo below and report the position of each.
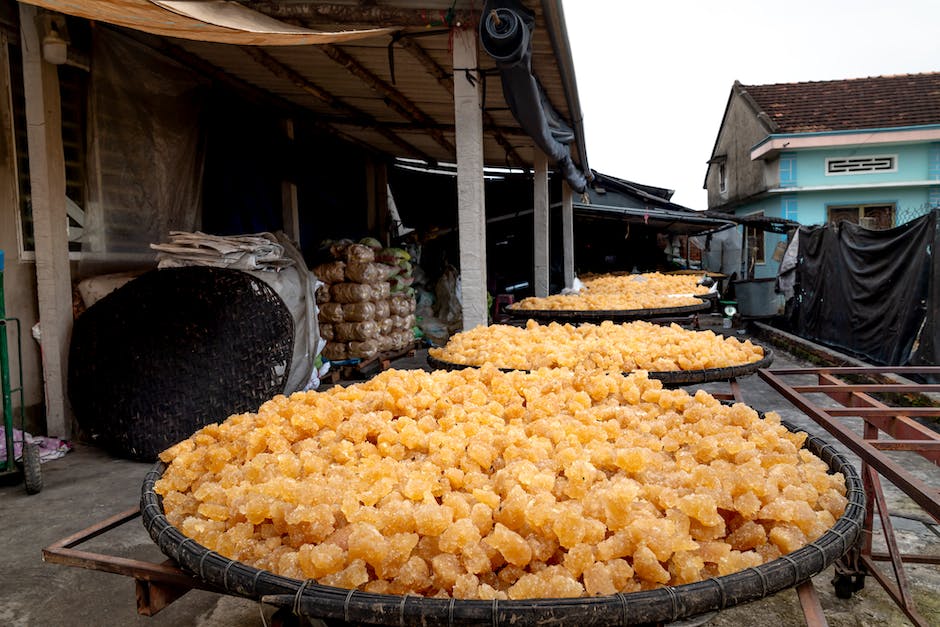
(5, 378)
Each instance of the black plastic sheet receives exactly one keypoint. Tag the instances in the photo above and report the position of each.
(868, 293)
(506, 35)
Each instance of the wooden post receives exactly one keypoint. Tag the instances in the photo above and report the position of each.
(289, 206)
(540, 241)
(471, 214)
(372, 222)
(567, 232)
(50, 221)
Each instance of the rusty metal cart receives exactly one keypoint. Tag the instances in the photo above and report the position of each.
(880, 397)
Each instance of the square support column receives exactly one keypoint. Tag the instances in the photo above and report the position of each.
(50, 220)
(540, 241)
(471, 204)
(567, 232)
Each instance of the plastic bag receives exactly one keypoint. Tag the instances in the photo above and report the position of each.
(359, 331)
(386, 325)
(381, 291)
(401, 305)
(400, 283)
(332, 272)
(351, 292)
(331, 312)
(382, 309)
(371, 242)
(364, 349)
(367, 272)
(338, 248)
(357, 253)
(358, 312)
(326, 331)
(387, 343)
(323, 294)
(336, 351)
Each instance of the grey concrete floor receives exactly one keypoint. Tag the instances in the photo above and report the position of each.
(88, 485)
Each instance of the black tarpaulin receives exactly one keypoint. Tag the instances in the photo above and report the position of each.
(867, 291)
(506, 35)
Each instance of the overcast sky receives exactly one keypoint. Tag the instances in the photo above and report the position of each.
(654, 76)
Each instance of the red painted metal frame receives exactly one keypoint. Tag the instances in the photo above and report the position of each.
(157, 585)
(906, 434)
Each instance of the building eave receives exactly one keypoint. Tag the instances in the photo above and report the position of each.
(773, 144)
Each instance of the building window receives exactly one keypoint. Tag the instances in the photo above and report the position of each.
(787, 171)
(879, 216)
(862, 165)
(788, 207)
(754, 242)
(722, 178)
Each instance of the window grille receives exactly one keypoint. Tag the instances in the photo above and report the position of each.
(859, 165)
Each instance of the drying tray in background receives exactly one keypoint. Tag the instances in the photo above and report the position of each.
(668, 377)
(671, 603)
(614, 315)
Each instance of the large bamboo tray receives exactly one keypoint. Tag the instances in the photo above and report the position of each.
(671, 603)
(615, 315)
(668, 377)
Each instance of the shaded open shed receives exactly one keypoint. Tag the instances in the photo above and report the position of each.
(144, 117)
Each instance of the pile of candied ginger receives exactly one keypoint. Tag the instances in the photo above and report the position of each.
(479, 484)
(607, 346)
(623, 292)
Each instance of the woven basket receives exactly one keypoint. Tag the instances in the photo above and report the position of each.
(615, 315)
(341, 606)
(173, 351)
(668, 377)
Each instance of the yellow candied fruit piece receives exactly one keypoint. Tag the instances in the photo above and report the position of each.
(426, 483)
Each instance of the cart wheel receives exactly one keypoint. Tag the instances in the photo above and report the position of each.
(32, 471)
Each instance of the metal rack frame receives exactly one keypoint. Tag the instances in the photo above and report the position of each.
(853, 399)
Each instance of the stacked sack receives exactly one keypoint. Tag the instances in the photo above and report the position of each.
(360, 316)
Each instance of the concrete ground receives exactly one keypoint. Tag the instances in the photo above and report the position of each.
(88, 485)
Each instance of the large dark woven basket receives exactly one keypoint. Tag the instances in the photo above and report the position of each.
(337, 605)
(668, 377)
(173, 351)
(615, 315)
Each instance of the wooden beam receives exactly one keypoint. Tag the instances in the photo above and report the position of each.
(471, 210)
(372, 15)
(47, 192)
(257, 95)
(413, 126)
(540, 243)
(282, 71)
(393, 98)
(446, 80)
(290, 210)
(567, 232)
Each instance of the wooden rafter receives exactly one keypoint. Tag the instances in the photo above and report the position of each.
(395, 100)
(508, 131)
(361, 117)
(360, 14)
(259, 96)
(446, 80)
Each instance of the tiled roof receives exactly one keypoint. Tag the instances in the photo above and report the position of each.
(858, 103)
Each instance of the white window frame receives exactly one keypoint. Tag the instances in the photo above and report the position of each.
(894, 168)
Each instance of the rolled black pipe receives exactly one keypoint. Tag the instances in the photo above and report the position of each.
(506, 35)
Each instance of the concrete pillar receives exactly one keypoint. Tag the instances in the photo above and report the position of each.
(471, 214)
(540, 239)
(567, 232)
(50, 219)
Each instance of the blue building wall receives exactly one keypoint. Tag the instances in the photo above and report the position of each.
(912, 165)
(802, 169)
